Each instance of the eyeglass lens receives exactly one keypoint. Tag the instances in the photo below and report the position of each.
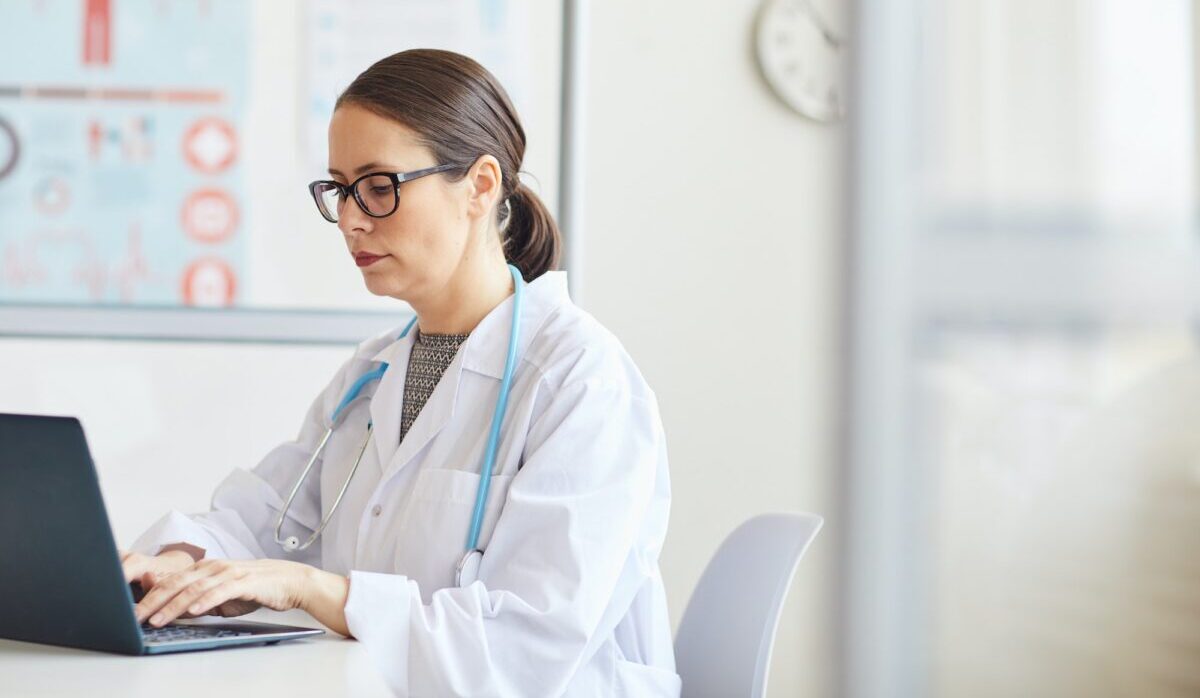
(376, 194)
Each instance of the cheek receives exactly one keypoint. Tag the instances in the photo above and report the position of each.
(428, 226)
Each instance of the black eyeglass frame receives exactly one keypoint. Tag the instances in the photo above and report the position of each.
(397, 178)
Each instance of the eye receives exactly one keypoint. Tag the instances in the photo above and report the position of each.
(380, 191)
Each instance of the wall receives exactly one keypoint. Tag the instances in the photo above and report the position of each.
(713, 224)
(712, 249)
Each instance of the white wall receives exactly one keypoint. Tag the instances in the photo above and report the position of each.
(712, 241)
(166, 420)
(713, 219)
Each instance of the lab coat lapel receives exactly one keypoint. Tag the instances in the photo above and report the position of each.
(483, 353)
(388, 401)
(487, 349)
(433, 416)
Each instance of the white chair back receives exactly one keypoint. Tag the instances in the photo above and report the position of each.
(723, 647)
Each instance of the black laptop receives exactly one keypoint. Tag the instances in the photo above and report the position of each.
(61, 581)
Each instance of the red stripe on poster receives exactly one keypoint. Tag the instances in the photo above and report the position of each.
(97, 32)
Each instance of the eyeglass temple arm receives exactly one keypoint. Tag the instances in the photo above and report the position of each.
(406, 176)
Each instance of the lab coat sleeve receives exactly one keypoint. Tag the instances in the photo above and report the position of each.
(241, 522)
(564, 562)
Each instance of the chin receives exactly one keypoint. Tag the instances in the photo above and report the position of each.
(383, 285)
(376, 286)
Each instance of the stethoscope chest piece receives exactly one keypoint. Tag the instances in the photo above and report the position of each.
(468, 568)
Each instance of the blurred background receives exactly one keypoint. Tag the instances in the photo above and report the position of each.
(929, 268)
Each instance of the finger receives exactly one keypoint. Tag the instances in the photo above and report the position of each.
(213, 598)
(178, 605)
(166, 587)
(134, 568)
(224, 609)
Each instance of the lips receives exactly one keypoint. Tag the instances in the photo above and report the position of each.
(364, 259)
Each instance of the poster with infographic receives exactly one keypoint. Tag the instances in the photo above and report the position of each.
(120, 151)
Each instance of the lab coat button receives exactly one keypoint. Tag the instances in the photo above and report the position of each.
(376, 510)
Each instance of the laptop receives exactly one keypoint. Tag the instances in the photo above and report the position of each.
(61, 581)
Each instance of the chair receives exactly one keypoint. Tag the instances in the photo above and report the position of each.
(723, 647)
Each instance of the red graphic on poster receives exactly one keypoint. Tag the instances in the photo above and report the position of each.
(134, 268)
(133, 137)
(209, 215)
(208, 282)
(102, 277)
(19, 268)
(95, 139)
(97, 32)
(210, 145)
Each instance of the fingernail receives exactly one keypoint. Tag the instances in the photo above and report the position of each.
(194, 608)
(156, 619)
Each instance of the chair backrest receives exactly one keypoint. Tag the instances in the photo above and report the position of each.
(723, 647)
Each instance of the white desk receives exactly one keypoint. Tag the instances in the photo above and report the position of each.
(327, 665)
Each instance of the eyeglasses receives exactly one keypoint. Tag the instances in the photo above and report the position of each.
(377, 193)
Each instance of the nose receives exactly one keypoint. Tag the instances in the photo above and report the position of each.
(351, 219)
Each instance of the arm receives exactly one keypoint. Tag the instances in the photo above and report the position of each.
(324, 598)
(566, 557)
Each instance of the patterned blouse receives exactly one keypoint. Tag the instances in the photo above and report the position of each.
(431, 354)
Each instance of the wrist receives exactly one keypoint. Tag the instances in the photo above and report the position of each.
(323, 596)
(306, 586)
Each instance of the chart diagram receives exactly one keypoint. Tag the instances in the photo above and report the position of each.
(120, 153)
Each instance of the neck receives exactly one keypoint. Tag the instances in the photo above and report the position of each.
(467, 298)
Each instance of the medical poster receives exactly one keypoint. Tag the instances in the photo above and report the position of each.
(347, 36)
(121, 174)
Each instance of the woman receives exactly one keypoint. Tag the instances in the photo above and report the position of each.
(424, 150)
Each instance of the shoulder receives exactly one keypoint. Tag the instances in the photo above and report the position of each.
(592, 402)
(572, 347)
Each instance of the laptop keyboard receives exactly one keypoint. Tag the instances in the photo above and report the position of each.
(181, 633)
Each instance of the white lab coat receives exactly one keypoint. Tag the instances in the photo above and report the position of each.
(569, 599)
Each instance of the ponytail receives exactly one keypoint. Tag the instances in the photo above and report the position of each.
(531, 238)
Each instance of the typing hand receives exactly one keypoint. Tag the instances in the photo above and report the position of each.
(223, 588)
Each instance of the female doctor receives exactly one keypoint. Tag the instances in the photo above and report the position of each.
(538, 578)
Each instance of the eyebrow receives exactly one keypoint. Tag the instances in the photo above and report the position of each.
(366, 168)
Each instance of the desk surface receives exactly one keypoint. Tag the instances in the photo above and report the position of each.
(325, 665)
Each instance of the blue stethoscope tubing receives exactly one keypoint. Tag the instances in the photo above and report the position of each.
(469, 565)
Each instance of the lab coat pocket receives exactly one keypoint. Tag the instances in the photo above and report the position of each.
(434, 530)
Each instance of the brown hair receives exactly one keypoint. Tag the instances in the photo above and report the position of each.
(460, 112)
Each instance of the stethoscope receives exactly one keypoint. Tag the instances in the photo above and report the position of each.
(468, 567)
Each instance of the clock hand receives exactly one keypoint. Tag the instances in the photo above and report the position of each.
(822, 24)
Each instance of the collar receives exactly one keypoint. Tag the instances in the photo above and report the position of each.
(487, 347)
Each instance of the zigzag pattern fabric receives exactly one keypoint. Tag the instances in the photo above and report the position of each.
(431, 354)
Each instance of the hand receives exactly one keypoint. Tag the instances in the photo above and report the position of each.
(223, 588)
(137, 565)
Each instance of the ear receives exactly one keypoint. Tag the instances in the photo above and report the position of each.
(485, 186)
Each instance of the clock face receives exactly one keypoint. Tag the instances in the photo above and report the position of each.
(802, 58)
(9, 148)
